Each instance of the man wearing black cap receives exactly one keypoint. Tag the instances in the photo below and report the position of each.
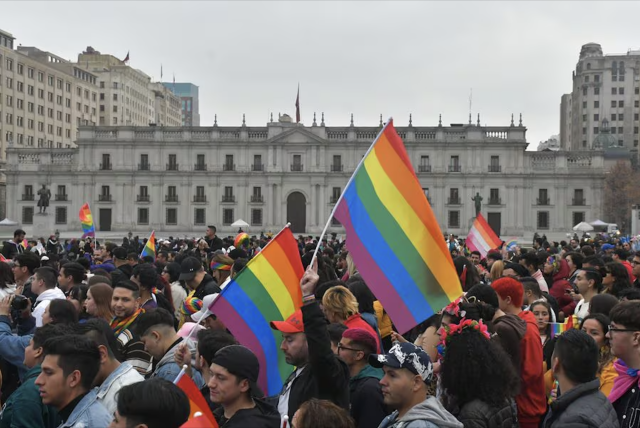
(234, 373)
(407, 371)
(123, 270)
(193, 274)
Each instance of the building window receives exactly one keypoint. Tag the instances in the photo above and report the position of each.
(227, 216)
(620, 130)
(61, 215)
(621, 91)
(172, 216)
(454, 219)
(143, 215)
(543, 197)
(596, 117)
(27, 215)
(256, 217)
(578, 217)
(106, 162)
(620, 104)
(494, 197)
(257, 163)
(584, 131)
(578, 198)
(173, 163)
(614, 91)
(199, 217)
(228, 195)
(297, 163)
(584, 92)
(596, 78)
(257, 194)
(543, 219)
(454, 196)
(596, 104)
(596, 130)
(454, 164)
(614, 117)
(596, 91)
(586, 78)
(621, 116)
(228, 163)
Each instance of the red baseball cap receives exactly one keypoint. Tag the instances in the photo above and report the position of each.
(292, 325)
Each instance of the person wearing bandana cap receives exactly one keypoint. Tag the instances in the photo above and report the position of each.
(233, 385)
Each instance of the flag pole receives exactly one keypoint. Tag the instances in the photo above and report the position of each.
(335, 207)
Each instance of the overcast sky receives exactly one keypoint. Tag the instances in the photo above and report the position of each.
(364, 58)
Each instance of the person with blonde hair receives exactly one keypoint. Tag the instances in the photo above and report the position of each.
(497, 268)
(340, 306)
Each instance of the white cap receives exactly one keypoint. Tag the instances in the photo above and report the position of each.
(208, 300)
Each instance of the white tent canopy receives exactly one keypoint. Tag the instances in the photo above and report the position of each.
(7, 222)
(599, 223)
(583, 227)
(240, 223)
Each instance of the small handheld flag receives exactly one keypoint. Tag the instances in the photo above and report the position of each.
(558, 328)
(150, 248)
(199, 409)
(86, 220)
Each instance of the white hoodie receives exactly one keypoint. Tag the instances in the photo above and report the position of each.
(42, 302)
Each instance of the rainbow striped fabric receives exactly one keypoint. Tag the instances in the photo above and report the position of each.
(267, 289)
(559, 328)
(24, 243)
(86, 220)
(481, 237)
(150, 248)
(393, 235)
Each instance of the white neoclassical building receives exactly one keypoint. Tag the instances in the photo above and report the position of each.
(180, 179)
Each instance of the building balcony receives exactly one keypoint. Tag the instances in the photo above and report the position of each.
(424, 168)
(579, 202)
(105, 198)
(454, 201)
(229, 167)
(28, 196)
(455, 168)
(495, 168)
(297, 167)
(200, 199)
(337, 168)
(257, 199)
(494, 201)
(334, 199)
(144, 167)
(105, 167)
(62, 197)
(257, 167)
(171, 198)
(143, 198)
(172, 167)
(200, 167)
(228, 198)
(543, 201)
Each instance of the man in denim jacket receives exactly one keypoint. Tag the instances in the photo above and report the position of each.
(70, 365)
(155, 328)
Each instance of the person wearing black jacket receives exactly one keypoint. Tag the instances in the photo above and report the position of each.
(123, 270)
(307, 346)
(212, 240)
(193, 274)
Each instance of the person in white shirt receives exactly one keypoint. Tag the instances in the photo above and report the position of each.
(589, 283)
(44, 285)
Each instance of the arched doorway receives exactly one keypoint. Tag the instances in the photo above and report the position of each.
(297, 212)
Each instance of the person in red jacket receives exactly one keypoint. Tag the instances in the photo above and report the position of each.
(531, 400)
(561, 288)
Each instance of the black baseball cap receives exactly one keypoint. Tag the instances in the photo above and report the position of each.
(240, 362)
(188, 268)
(119, 253)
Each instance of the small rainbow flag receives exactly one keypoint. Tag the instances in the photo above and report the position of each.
(24, 243)
(267, 289)
(394, 236)
(199, 409)
(150, 248)
(559, 328)
(2, 258)
(511, 245)
(481, 237)
(86, 220)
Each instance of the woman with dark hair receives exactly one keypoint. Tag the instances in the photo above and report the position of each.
(602, 304)
(77, 296)
(478, 381)
(542, 312)
(171, 274)
(616, 279)
(60, 311)
(7, 282)
(321, 414)
(597, 326)
(467, 272)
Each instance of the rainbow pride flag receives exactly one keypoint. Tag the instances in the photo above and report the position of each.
(558, 328)
(267, 289)
(481, 237)
(198, 407)
(24, 243)
(86, 220)
(150, 248)
(394, 236)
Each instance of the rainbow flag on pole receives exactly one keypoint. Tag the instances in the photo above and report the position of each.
(394, 236)
(150, 248)
(86, 220)
(198, 407)
(481, 237)
(267, 289)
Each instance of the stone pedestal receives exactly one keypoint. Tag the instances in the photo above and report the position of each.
(43, 225)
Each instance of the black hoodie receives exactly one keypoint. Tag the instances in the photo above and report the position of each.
(263, 415)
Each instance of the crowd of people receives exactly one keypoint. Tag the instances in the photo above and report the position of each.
(96, 336)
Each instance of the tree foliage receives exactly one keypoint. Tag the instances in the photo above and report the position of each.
(621, 191)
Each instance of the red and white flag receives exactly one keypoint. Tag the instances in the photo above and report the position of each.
(298, 105)
(481, 237)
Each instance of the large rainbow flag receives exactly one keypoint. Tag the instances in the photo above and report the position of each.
(393, 235)
(267, 289)
(86, 220)
(150, 248)
(481, 237)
